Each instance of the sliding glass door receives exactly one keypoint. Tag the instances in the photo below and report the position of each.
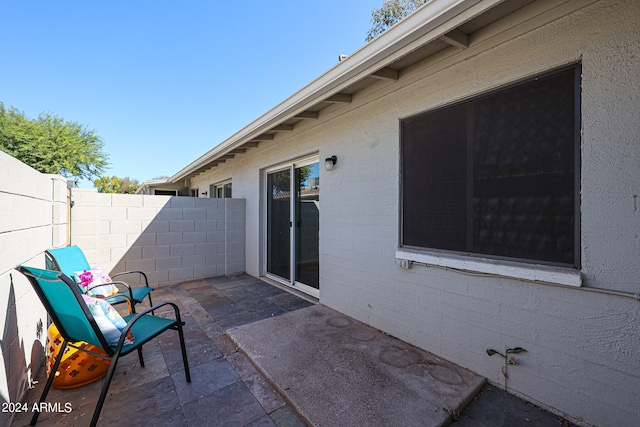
(292, 225)
(279, 224)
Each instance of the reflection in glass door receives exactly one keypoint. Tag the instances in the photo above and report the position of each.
(278, 223)
(292, 228)
(307, 216)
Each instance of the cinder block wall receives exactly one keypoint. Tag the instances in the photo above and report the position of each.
(32, 219)
(171, 239)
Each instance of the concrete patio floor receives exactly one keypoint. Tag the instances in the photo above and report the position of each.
(228, 390)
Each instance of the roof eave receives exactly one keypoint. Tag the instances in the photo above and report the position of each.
(431, 21)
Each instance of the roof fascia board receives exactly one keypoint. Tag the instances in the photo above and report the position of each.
(426, 24)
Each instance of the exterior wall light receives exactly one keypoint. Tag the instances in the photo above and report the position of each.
(330, 163)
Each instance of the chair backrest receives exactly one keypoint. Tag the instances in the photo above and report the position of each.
(68, 259)
(63, 301)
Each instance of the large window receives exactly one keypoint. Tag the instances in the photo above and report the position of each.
(497, 175)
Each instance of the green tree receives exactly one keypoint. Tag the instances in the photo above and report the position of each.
(51, 144)
(390, 13)
(114, 184)
(280, 181)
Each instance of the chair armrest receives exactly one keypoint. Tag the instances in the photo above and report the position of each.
(138, 316)
(144, 276)
(117, 282)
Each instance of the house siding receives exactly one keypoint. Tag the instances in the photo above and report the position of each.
(582, 346)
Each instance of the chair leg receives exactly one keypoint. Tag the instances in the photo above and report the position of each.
(140, 356)
(105, 389)
(185, 361)
(47, 387)
(150, 304)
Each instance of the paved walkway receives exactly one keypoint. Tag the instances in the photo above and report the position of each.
(226, 388)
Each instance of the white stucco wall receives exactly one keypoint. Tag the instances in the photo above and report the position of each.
(582, 360)
(32, 219)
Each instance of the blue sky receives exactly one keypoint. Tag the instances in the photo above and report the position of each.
(162, 82)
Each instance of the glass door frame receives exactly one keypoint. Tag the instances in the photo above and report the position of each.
(291, 165)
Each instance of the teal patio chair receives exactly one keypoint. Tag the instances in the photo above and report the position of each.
(70, 259)
(65, 305)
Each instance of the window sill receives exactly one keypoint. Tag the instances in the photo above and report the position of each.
(485, 266)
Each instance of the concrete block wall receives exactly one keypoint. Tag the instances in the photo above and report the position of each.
(172, 239)
(32, 219)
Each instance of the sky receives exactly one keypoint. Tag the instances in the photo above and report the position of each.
(164, 81)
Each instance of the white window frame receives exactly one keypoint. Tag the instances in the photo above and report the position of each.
(476, 264)
(213, 188)
(303, 161)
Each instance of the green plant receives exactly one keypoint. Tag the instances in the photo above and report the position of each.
(507, 360)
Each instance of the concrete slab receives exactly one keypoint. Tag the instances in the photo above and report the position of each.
(337, 371)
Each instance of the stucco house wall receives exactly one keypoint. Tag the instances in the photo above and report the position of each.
(582, 345)
(32, 219)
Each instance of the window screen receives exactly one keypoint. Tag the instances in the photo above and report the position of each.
(497, 175)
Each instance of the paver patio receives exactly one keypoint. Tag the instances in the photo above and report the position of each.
(226, 388)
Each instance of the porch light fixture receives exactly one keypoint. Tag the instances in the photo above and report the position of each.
(330, 163)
